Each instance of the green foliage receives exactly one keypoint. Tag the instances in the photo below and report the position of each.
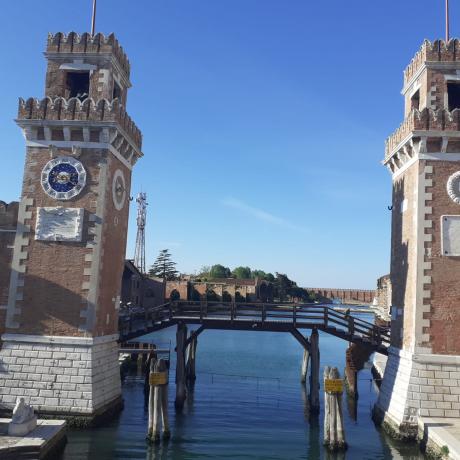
(241, 272)
(219, 271)
(262, 275)
(164, 267)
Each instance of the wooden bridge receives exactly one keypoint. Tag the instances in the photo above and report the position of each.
(268, 317)
(246, 316)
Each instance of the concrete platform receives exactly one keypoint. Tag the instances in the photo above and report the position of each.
(48, 436)
(440, 432)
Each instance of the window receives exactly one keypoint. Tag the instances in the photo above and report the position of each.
(77, 85)
(415, 100)
(453, 95)
(116, 91)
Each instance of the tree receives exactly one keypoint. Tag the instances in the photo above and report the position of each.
(283, 286)
(262, 275)
(242, 272)
(164, 267)
(219, 271)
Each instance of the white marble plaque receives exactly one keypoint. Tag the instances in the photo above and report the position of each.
(59, 224)
(450, 228)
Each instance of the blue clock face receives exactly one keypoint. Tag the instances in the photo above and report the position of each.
(63, 178)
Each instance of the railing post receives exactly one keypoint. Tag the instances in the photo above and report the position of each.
(351, 325)
(201, 310)
(170, 310)
(264, 313)
(326, 316)
(294, 311)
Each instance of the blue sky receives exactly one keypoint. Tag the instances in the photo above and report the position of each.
(264, 123)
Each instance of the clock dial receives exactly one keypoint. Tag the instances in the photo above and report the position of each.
(453, 187)
(63, 178)
(118, 190)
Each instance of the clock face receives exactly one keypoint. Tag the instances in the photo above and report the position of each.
(63, 178)
(453, 187)
(118, 190)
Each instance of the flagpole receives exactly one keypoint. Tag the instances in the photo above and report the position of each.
(447, 21)
(93, 19)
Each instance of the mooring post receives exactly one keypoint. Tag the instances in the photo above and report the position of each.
(181, 392)
(155, 436)
(164, 402)
(305, 363)
(314, 375)
(334, 434)
(191, 359)
(151, 400)
(158, 401)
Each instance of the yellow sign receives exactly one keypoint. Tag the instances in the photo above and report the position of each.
(333, 385)
(158, 378)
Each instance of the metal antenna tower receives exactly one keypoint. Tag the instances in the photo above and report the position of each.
(139, 252)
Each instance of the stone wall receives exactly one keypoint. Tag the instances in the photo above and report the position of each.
(382, 301)
(346, 295)
(419, 385)
(60, 374)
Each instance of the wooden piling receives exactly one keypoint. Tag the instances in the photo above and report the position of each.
(314, 375)
(190, 372)
(151, 401)
(158, 401)
(305, 363)
(181, 392)
(334, 434)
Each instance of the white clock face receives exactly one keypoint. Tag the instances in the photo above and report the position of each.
(63, 178)
(118, 190)
(453, 187)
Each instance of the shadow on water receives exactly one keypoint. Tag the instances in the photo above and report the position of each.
(231, 417)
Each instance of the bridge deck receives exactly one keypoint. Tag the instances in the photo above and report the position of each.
(257, 317)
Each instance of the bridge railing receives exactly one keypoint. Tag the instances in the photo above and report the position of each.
(299, 315)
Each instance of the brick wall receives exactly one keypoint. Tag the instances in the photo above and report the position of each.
(8, 223)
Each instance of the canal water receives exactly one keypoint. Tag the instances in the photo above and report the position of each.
(248, 403)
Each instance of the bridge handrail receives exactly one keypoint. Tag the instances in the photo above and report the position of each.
(311, 313)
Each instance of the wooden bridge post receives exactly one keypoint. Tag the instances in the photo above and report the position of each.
(190, 373)
(181, 392)
(305, 363)
(314, 375)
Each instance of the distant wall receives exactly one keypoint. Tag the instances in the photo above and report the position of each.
(345, 295)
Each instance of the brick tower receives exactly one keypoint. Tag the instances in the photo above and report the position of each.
(59, 348)
(422, 377)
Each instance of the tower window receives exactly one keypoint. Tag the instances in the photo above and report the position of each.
(415, 100)
(116, 91)
(77, 85)
(453, 95)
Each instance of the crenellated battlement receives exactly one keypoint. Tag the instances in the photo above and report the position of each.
(87, 43)
(436, 51)
(423, 120)
(75, 110)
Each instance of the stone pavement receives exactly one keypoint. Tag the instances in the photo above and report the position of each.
(442, 432)
(38, 443)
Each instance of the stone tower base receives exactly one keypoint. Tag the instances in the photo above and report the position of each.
(60, 375)
(417, 385)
